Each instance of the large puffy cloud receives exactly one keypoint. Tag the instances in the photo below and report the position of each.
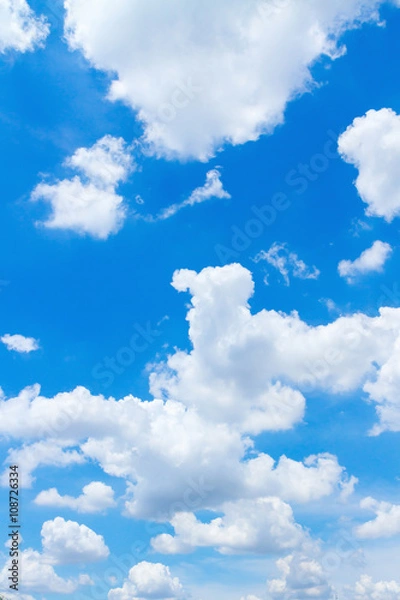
(372, 145)
(88, 204)
(250, 369)
(372, 260)
(95, 497)
(302, 578)
(202, 75)
(149, 581)
(20, 28)
(386, 522)
(175, 459)
(367, 589)
(258, 526)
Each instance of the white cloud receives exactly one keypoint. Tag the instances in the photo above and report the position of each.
(212, 398)
(213, 188)
(265, 525)
(366, 589)
(386, 522)
(43, 453)
(88, 204)
(164, 450)
(384, 390)
(235, 355)
(286, 262)
(371, 260)
(302, 578)
(20, 343)
(66, 542)
(149, 581)
(20, 28)
(96, 497)
(63, 542)
(199, 78)
(372, 145)
(39, 575)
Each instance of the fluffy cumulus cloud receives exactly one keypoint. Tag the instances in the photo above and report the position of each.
(163, 449)
(96, 497)
(66, 542)
(63, 542)
(251, 369)
(287, 263)
(386, 522)
(20, 28)
(245, 373)
(213, 188)
(372, 145)
(367, 589)
(257, 526)
(88, 203)
(201, 78)
(371, 260)
(302, 578)
(149, 581)
(39, 575)
(20, 343)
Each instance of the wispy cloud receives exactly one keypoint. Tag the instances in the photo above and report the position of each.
(212, 188)
(287, 263)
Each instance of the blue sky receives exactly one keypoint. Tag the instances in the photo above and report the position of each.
(215, 114)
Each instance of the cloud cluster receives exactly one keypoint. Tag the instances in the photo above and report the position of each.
(201, 78)
(244, 374)
(371, 260)
(367, 589)
(88, 203)
(192, 447)
(20, 28)
(20, 343)
(372, 145)
(163, 448)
